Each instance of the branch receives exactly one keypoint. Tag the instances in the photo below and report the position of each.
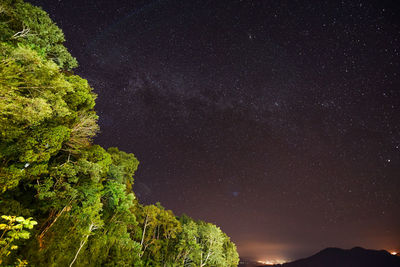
(92, 227)
(21, 34)
(48, 227)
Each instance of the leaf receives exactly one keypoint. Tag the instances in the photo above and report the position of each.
(5, 217)
(24, 235)
(20, 219)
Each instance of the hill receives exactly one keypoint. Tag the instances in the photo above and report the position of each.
(355, 257)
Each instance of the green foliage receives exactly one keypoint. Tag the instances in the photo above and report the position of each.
(80, 194)
(22, 23)
(13, 229)
(159, 230)
(204, 244)
(167, 241)
(123, 167)
(53, 117)
(113, 245)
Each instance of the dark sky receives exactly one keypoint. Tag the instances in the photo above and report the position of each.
(277, 120)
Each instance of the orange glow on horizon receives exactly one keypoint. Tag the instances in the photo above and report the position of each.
(279, 261)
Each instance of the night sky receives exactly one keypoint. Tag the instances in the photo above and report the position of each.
(277, 120)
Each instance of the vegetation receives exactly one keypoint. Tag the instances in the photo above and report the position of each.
(13, 230)
(79, 194)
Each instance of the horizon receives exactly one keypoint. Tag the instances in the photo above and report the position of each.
(275, 261)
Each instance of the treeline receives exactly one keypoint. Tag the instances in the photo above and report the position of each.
(79, 193)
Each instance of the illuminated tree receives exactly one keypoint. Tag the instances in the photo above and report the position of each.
(79, 193)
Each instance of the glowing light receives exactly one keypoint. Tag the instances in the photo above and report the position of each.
(393, 253)
(272, 262)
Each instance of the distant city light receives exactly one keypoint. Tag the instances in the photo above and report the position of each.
(273, 262)
(393, 253)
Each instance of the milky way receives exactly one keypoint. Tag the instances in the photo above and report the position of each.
(277, 121)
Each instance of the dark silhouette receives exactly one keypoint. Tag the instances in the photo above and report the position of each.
(355, 257)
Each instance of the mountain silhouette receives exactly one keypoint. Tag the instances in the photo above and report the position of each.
(355, 257)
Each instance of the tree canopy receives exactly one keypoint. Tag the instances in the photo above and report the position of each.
(79, 193)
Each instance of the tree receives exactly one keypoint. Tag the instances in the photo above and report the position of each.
(79, 193)
(187, 245)
(51, 111)
(22, 23)
(204, 244)
(159, 231)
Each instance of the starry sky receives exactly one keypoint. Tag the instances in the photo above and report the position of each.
(277, 120)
